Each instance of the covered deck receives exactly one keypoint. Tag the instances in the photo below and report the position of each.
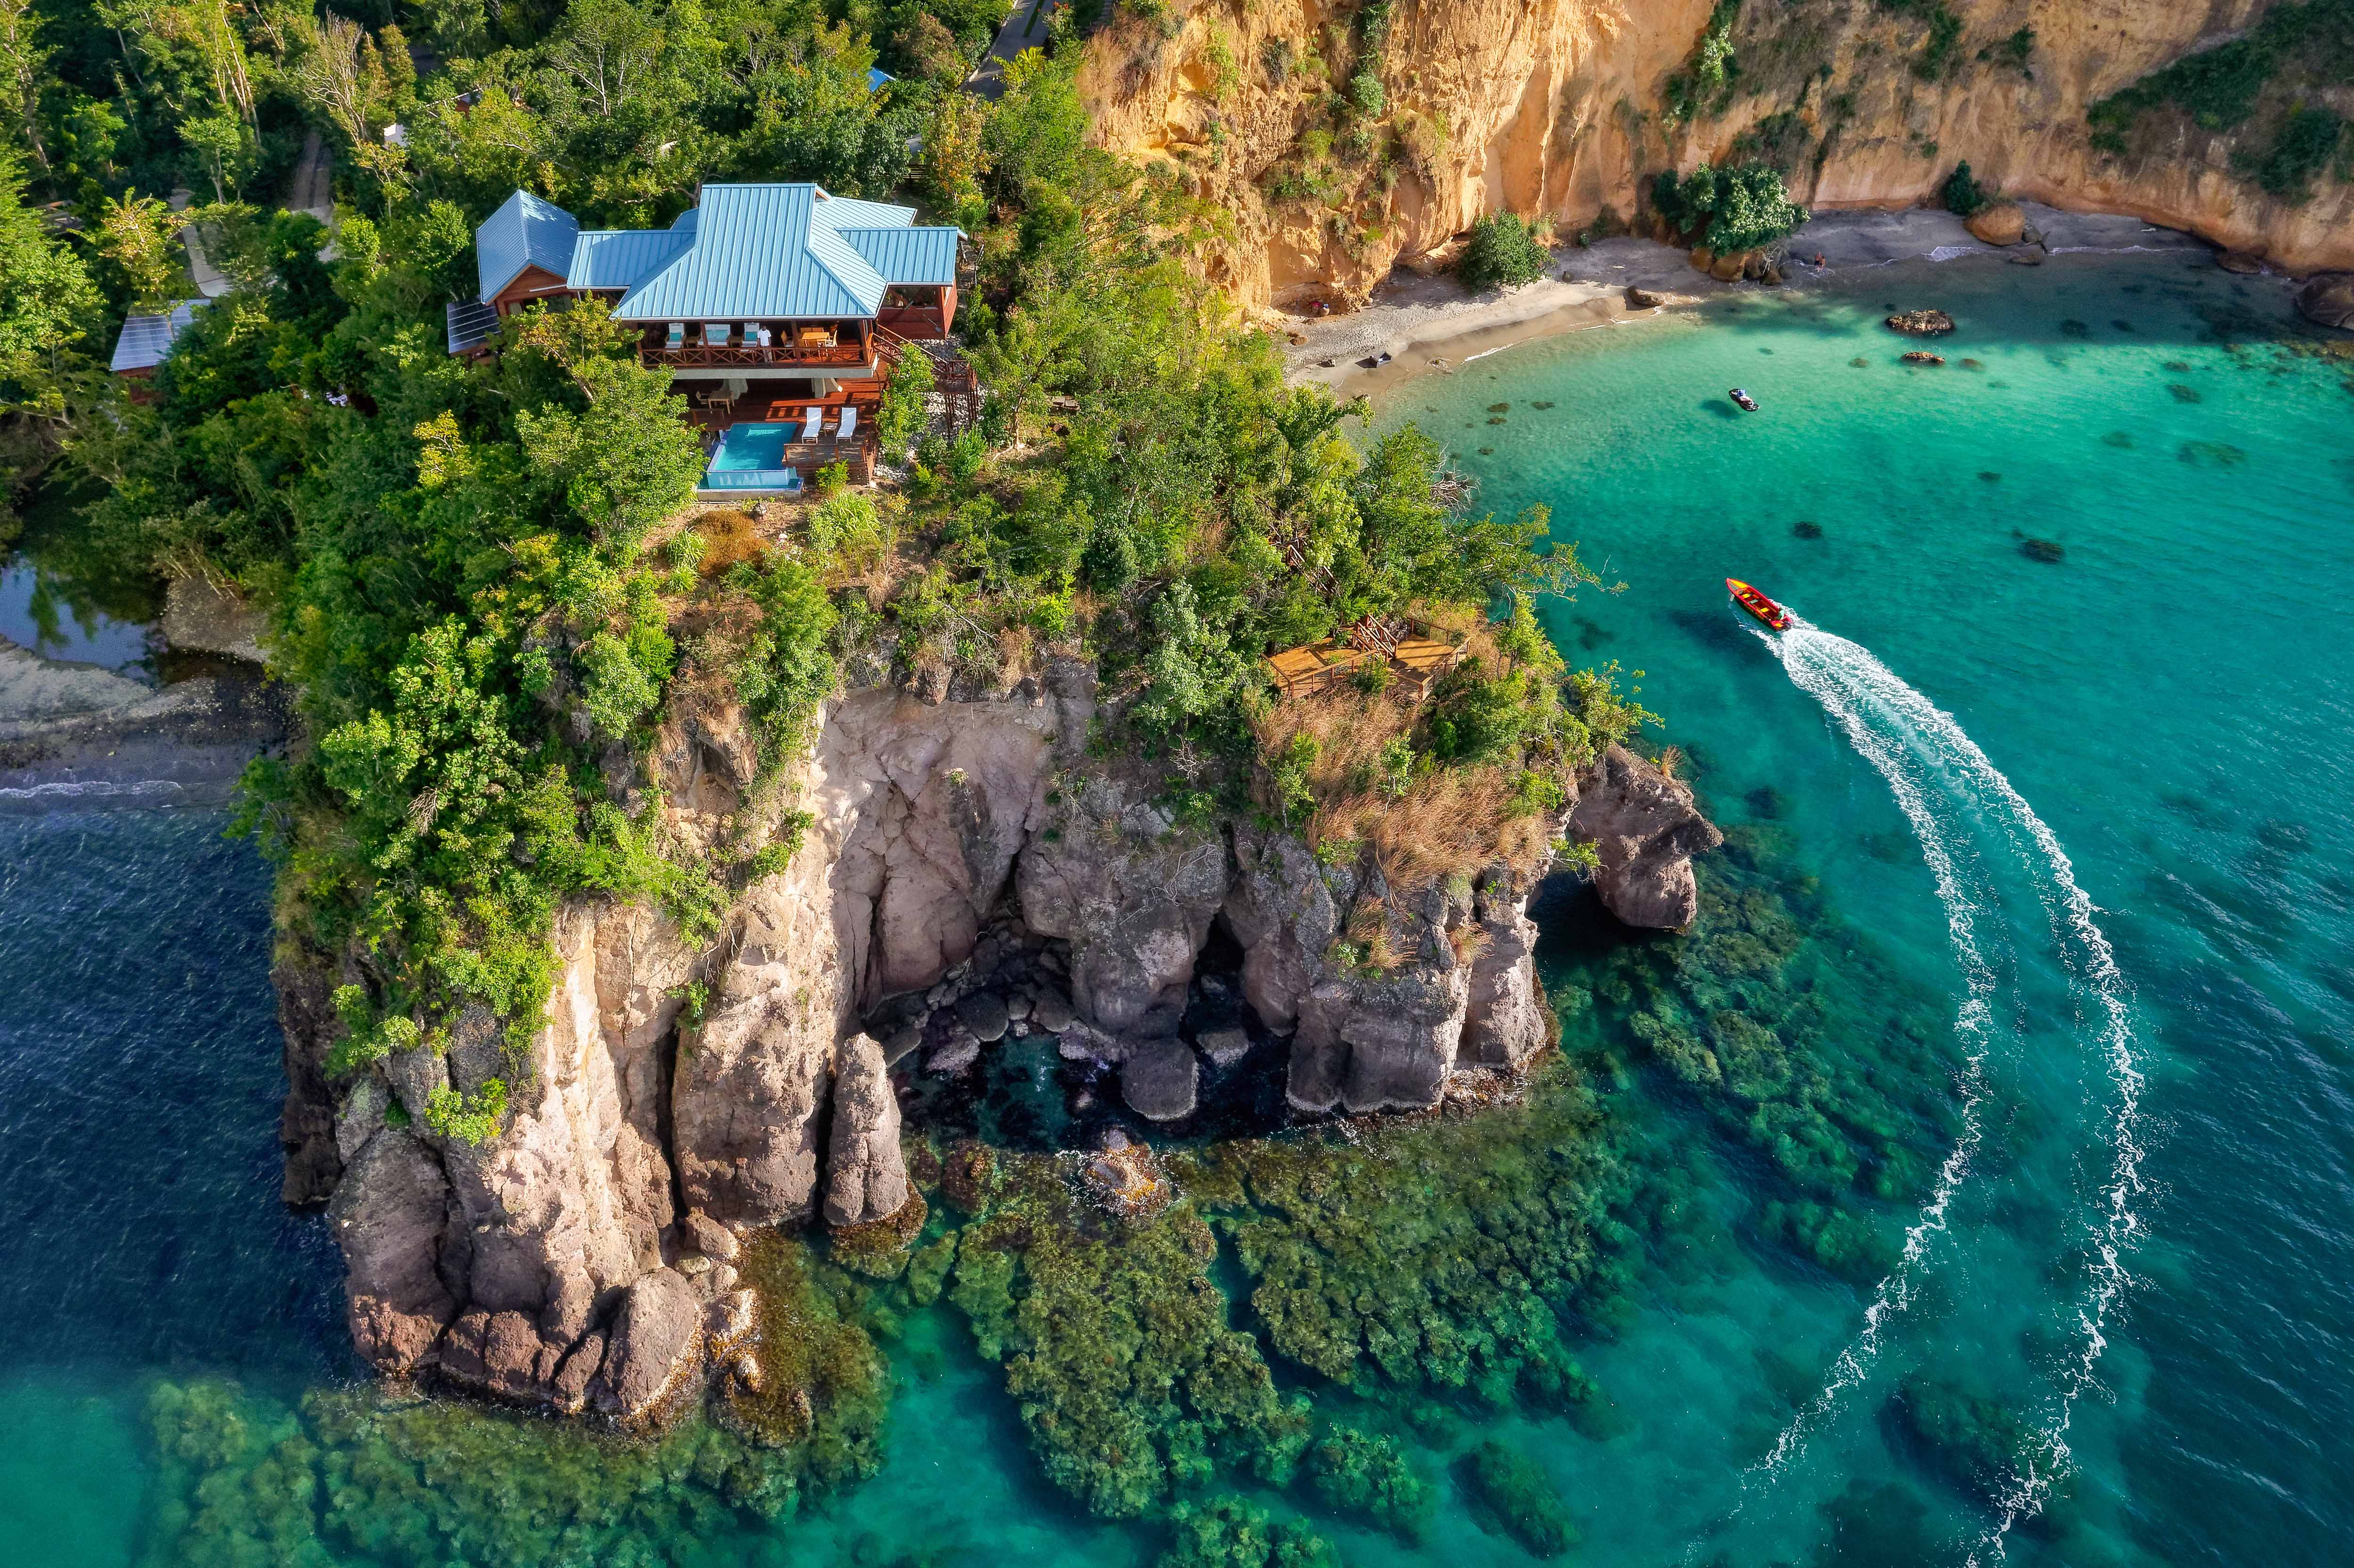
(778, 450)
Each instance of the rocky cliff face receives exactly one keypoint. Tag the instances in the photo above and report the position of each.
(1563, 108)
(584, 1258)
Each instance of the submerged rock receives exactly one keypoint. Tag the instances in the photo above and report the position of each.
(1645, 828)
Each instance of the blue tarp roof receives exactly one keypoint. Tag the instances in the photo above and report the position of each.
(145, 340)
(876, 77)
(525, 232)
(783, 251)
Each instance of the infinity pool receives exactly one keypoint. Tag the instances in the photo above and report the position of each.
(752, 457)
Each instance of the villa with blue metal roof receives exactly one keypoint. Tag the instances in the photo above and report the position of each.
(770, 304)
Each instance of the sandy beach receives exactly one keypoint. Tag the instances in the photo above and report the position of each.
(1416, 326)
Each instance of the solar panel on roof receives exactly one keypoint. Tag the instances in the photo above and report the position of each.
(472, 324)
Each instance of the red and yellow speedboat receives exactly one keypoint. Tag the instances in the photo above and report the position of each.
(1758, 605)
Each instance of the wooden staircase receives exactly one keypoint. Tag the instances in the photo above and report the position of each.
(953, 381)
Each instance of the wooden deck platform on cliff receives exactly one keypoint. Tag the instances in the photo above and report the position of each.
(1416, 657)
(1315, 668)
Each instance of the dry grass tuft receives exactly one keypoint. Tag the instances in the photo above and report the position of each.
(1448, 820)
(729, 536)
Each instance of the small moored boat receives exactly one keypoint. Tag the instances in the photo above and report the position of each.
(1742, 397)
(1757, 604)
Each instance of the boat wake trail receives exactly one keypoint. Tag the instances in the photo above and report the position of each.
(1977, 833)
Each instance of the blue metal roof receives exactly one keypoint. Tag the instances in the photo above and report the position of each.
(618, 258)
(525, 232)
(876, 77)
(146, 340)
(908, 255)
(771, 252)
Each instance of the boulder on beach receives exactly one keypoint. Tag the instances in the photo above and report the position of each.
(1921, 324)
(1641, 299)
(2246, 263)
(2328, 300)
(1998, 223)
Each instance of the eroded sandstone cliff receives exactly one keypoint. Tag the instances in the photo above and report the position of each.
(584, 1258)
(1334, 140)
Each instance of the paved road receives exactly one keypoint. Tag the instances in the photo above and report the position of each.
(1024, 29)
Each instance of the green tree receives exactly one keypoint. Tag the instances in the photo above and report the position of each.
(1730, 209)
(1504, 253)
(1963, 196)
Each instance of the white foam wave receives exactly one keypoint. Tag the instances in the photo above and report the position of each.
(91, 789)
(1851, 683)
(1849, 704)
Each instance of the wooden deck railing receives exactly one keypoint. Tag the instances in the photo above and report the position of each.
(714, 357)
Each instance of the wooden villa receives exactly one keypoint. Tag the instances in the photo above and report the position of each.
(778, 310)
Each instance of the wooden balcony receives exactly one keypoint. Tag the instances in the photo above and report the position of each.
(812, 361)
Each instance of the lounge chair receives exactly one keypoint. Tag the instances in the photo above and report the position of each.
(813, 426)
(849, 427)
(677, 338)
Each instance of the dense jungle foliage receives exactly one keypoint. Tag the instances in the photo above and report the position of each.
(479, 574)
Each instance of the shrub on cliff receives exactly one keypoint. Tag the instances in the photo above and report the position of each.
(1728, 209)
(1504, 253)
(1962, 194)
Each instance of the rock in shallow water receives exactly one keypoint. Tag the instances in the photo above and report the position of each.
(985, 1013)
(2328, 300)
(656, 1347)
(1161, 1080)
(1051, 1011)
(1645, 828)
(955, 1053)
(1224, 1047)
(1922, 324)
(866, 1176)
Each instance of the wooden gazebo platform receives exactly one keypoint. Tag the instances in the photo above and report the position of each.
(1416, 654)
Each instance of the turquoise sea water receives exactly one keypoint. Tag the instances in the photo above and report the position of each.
(2138, 1268)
